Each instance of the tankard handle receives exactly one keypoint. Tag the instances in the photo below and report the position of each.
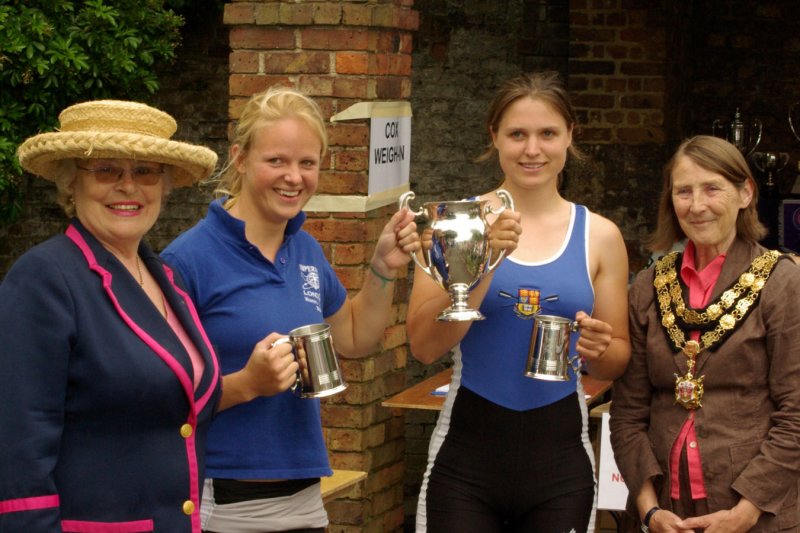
(297, 387)
(508, 203)
(575, 361)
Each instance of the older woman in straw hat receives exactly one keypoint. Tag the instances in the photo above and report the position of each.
(107, 379)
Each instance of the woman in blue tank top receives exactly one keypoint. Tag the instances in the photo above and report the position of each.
(511, 453)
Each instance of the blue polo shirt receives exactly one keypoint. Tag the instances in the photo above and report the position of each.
(242, 297)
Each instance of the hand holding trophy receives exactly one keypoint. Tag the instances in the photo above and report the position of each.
(459, 255)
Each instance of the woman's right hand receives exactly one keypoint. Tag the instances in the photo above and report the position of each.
(271, 368)
(664, 521)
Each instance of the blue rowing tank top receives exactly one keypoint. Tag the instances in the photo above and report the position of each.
(494, 351)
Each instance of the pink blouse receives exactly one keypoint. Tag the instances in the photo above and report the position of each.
(198, 365)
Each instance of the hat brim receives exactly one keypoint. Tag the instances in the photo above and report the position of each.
(43, 153)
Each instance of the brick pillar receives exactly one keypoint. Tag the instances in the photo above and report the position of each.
(341, 53)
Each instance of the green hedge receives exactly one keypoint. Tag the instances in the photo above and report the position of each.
(54, 53)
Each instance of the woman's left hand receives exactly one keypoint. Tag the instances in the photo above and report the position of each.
(595, 337)
(396, 242)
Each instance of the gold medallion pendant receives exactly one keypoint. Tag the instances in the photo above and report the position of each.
(688, 389)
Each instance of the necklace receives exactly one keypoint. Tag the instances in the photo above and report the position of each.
(719, 318)
(139, 268)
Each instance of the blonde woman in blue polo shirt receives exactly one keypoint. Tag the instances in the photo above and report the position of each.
(255, 275)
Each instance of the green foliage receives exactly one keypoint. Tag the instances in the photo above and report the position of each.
(54, 53)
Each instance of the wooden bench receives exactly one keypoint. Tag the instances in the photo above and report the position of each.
(340, 482)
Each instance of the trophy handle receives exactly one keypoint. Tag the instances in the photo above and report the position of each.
(717, 125)
(757, 124)
(784, 159)
(405, 199)
(758, 160)
(508, 203)
(792, 108)
(403, 202)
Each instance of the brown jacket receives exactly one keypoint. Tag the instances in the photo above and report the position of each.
(748, 428)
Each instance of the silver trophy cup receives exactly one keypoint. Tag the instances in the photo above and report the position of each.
(742, 134)
(460, 253)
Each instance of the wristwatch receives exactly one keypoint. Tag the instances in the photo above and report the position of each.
(646, 520)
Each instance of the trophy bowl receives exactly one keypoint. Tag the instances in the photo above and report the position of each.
(744, 135)
(459, 255)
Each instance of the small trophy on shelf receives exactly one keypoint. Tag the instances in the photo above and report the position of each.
(743, 135)
(771, 164)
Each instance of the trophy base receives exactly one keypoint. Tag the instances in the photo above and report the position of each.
(460, 315)
(547, 377)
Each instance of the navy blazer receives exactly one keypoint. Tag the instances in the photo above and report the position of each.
(101, 428)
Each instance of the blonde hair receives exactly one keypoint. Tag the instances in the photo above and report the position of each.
(261, 110)
(720, 157)
(64, 181)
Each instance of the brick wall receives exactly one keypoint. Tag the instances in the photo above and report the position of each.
(617, 72)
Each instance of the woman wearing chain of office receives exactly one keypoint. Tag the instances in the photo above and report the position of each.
(705, 422)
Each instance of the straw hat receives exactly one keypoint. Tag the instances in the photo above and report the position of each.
(115, 129)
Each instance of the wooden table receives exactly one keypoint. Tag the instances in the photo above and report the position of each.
(420, 395)
(342, 480)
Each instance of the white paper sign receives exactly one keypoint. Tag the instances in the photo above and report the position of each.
(389, 153)
(611, 490)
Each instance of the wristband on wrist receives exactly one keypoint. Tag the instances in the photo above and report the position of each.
(646, 520)
(384, 279)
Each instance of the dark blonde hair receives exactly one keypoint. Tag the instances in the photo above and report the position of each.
(545, 86)
(720, 157)
(263, 108)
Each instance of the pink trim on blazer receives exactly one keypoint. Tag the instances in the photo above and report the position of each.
(81, 526)
(29, 504)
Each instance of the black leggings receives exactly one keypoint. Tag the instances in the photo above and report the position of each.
(500, 470)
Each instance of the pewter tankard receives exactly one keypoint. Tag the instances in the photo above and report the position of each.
(318, 374)
(548, 357)
(460, 255)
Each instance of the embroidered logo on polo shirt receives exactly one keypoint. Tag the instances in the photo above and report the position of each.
(311, 293)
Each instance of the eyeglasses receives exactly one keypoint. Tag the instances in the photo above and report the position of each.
(141, 174)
